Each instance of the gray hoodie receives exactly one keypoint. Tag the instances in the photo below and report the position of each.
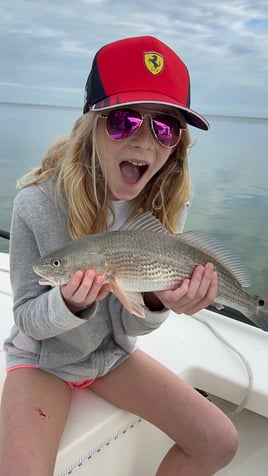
(46, 334)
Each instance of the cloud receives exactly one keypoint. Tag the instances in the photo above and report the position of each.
(48, 46)
(39, 88)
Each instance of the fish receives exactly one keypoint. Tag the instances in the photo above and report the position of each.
(142, 256)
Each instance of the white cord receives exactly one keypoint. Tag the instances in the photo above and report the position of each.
(246, 363)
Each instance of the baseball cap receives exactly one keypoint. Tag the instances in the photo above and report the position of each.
(139, 70)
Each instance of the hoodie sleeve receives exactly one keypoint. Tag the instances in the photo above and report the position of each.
(39, 311)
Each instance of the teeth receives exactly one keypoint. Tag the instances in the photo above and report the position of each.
(136, 163)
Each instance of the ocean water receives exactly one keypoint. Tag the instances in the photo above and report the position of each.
(228, 165)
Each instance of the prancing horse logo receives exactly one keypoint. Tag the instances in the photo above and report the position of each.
(154, 62)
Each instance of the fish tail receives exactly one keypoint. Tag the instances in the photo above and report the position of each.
(260, 315)
(262, 302)
(261, 320)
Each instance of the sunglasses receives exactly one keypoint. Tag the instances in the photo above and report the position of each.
(123, 123)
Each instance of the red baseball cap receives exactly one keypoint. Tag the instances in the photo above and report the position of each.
(140, 70)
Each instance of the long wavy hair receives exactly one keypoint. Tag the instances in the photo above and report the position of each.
(73, 163)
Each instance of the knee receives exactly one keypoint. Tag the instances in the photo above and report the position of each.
(231, 445)
(223, 444)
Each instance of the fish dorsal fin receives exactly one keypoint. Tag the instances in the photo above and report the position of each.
(217, 250)
(144, 222)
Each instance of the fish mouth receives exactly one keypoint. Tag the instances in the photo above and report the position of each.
(46, 282)
(132, 171)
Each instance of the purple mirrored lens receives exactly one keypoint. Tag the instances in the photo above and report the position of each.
(122, 123)
(167, 129)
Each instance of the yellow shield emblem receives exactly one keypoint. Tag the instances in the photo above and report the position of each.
(154, 62)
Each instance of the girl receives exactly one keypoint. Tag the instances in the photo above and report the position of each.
(127, 154)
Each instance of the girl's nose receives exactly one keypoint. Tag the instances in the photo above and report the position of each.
(144, 136)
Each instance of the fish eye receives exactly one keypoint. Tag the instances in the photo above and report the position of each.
(261, 302)
(56, 263)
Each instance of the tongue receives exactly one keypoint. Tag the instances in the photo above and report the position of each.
(130, 173)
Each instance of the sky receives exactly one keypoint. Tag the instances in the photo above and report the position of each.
(47, 46)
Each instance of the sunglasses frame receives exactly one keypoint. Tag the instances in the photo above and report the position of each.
(142, 117)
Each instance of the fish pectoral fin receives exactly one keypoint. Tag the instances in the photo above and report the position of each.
(135, 303)
(218, 306)
(132, 301)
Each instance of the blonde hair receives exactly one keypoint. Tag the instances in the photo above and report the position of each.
(72, 161)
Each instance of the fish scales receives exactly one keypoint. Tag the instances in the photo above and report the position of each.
(143, 264)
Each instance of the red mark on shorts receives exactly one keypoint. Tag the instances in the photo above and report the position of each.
(41, 413)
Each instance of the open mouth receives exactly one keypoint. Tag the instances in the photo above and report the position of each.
(46, 282)
(132, 171)
(42, 280)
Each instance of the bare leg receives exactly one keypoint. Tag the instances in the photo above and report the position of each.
(34, 409)
(205, 439)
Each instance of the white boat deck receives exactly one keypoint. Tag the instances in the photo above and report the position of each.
(97, 432)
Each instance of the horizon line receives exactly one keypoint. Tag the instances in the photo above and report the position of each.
(60, 106)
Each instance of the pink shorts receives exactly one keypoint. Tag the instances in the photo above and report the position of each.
(81, 384)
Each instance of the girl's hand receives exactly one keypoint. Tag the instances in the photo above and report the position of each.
(84, 288)
(193, 294)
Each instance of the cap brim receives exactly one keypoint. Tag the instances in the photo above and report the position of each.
(125, 99)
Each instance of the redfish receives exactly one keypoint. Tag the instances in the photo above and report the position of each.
(143, 257)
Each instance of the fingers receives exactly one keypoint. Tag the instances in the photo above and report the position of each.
(84, 289)
(202, 289)
(194, 294)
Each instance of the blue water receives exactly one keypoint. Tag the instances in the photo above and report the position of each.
(228, 165)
